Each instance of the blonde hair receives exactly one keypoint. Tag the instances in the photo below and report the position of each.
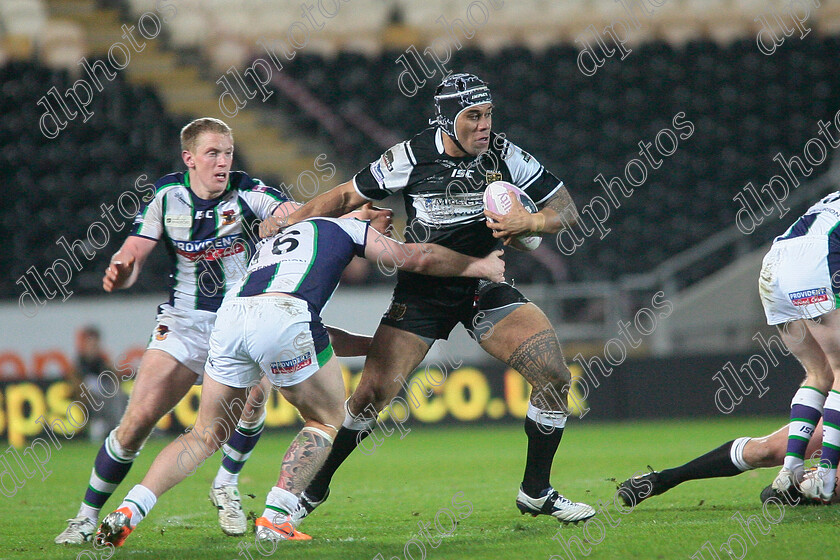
(191, 132)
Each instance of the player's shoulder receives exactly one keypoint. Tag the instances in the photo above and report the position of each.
(422, 145)
(507, 150)
(350, 226)
(170, 181)
(243, 183)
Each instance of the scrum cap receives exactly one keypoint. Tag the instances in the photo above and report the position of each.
(455, 94)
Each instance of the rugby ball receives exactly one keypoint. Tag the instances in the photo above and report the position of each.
(496, 200)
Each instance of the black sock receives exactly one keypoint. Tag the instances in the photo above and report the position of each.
(541, 450)
(345, 442)
(716, 463)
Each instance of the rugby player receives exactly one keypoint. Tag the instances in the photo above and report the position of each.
(799, 286)
(442, 173)
(269, 324)
(732, 458)
(207, 218)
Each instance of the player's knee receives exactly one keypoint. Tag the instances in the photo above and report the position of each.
(213, 437)
(559, 377)
(376, 396)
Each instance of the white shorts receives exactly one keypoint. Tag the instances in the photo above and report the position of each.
(184, 335)
(795, 281)
(274, 336)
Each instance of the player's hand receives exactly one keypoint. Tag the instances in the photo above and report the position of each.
(494, 266)
(512, 224)
(380, 218)
(271, 226)
(118, 272)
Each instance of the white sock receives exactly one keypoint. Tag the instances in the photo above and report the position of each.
(736, 454)
(225, 478)
(358, 423)
(279, 504)
(91, 513)
(550, 419)
(140, 500)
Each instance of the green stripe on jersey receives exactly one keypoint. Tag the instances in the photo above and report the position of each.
(314, 255)
(220, 260)
(157, 190)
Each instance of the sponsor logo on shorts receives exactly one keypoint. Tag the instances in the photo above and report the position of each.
(161, 331)
(807, 297)
(285, 367)
(388, 160)
(396, 312)
(376, 171)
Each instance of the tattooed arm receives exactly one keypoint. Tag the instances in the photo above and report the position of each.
(558, 213)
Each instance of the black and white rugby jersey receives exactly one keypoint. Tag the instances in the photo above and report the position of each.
(444, 195)
(209, 241)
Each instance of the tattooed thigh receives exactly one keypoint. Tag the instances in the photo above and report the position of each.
(540, 360)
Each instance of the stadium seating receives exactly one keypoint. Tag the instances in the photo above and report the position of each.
(54, 188)
(746, 108)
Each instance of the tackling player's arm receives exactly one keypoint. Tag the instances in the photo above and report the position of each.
(340, 201)
(346, 343)
(432, 259)
(126, 263)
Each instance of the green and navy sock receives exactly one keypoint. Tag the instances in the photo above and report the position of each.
(237, 450)
(805, 411)
(109, 469)
(831, 441)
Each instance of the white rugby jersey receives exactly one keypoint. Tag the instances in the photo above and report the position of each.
(821, 219)
(305, 260)
(208, 241)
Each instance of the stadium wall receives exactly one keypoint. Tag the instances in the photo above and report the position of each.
(458, 383)
(461, 392)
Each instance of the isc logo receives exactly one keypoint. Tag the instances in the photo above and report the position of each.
(465, 173)
(204, 214)
(806, 429)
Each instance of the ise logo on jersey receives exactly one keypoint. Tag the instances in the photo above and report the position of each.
(285, 367)
(808, 297)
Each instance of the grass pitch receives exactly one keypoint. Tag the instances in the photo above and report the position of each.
(378, 500)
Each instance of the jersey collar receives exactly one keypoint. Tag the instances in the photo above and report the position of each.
(228, 187)
(439, 141)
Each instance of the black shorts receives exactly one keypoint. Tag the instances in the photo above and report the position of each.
(433, 311)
